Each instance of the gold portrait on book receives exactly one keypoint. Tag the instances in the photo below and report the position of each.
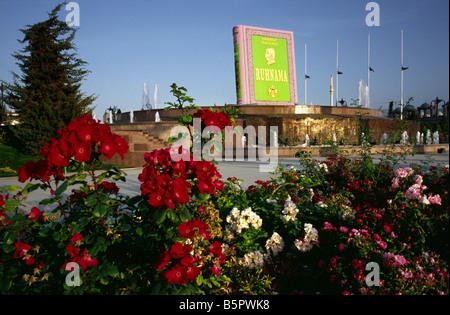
(270, 55)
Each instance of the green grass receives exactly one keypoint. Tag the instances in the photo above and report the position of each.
(13, 158)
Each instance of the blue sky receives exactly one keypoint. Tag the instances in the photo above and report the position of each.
(131, 42)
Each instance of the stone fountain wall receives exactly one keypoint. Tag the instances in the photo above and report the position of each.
(293, 122)
(320, 128)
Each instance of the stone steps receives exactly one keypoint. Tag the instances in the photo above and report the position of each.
(141, 141)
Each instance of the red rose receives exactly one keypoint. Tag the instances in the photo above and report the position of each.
(29, 260)
(55, 156)
(87, 261)
(156, 198)
(215, 249)
(34, 214)
(205, 186)
(122, 145)
(180, 190)
(215, 270)
(76, 238)
(179, 250)
(82, 153)
(108, 148)
(177, 275)
(164, 259)
(26, 171)
(21, 249)
(194, 227)
(202, 228)
(192, 272)
(73, 251)
(3, 216)
(85, 134)
(186, 229)
(110, 187)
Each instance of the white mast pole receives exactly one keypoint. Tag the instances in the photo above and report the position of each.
(337, 71)
(368, 64)
(305, 76)
(401, 79)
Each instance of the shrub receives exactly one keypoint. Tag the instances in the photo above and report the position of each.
(318, 229)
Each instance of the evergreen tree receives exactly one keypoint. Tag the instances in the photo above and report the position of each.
(46, 96)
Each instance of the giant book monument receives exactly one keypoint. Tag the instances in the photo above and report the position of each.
(265, 66)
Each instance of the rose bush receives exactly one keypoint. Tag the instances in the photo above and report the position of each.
(306, 231)
(334, 218)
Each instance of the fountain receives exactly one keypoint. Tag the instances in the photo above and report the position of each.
(131, 116)
(155, 97)
(145, 100)
(405, 137)
(436, 137)
(363, 94)
(334, 139)
(418, 142)
(428, 137)
(307, 140)
(384, 139)
(156, 102)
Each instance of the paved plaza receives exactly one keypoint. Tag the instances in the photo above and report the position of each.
(248, 171)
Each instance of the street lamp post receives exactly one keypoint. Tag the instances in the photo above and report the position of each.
(2, 111)
(436, 106)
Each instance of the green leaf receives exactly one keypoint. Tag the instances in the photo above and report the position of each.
(199, 280)
(139, 231)
(203, 197)
(29, 188)
(8, 248)
(61, 188)
(171, 215)
(159, 215)
(12, 188)
(9, 237)
(91, 200)
(185, 215)
(47, 201)
(214, 281)
(187, 118)
(126, 227)
(111, 271)
(100, 210)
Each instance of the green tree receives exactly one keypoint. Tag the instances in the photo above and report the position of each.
(47, 94)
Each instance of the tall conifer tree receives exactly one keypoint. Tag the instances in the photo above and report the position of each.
(47, 95)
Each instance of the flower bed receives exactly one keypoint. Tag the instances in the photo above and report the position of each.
(338, 227)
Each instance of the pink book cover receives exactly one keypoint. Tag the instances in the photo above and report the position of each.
(245, 93)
